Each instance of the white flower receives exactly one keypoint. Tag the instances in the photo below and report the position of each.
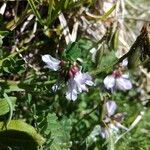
(105, 132)
(111, 107)
(51, 62)
(117, 81)
(81, 80)
(77, 84)
(72, 92)
(124, 63)
(111, 121)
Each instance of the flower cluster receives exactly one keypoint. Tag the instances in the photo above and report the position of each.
(76, 82)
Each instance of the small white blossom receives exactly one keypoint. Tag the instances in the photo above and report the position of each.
(124, 63)
(117, 81)
(105, 132)
(72, 92)
(81, 80)
(51, 62)
(111, 107)
(111, 121)
(77, 84)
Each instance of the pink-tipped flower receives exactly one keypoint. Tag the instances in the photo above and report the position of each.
(51, 62)
(77, 83)
(117, 80)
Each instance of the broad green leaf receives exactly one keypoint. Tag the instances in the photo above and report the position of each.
(19, 133)
(4, 107)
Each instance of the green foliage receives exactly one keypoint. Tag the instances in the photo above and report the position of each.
(57, 131)
(19, 133)
(139, 137)
(30, 29)
(4, 107)
(73, 51)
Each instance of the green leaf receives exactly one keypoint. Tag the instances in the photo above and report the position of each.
(19, 133)
(85, 44)
(104, 17)
(4, 33)
(4, 107)
(108, 61)
(66, 126)
(13, 88)
(99, 55)
(50, 8)
(134, 58)
(66, 4)
(35, 11)
(73, 51)
(114, 41)
(10, 108)
(59, 132)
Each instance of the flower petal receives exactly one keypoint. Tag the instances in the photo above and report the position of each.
(105, 132)
(109, 82)
(124, 63)
(81, 80)
(71, 93)
(123, 84)
(111, 107)
(113, 127)
(125, 76)
(52, 63)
